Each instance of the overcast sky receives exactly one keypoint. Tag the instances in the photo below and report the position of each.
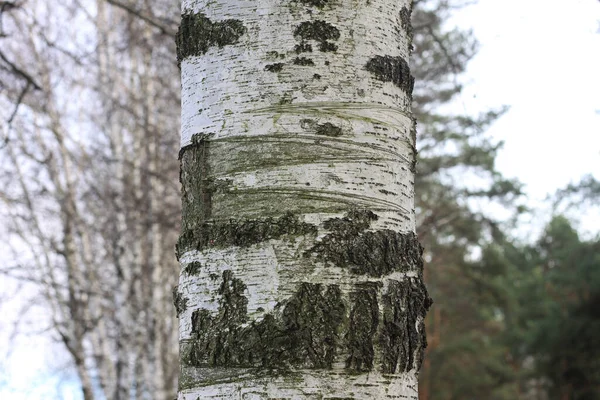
(541, 57)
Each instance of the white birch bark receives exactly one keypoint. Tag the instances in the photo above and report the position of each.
(301, 275)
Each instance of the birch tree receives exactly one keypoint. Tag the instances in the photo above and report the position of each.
(301, 272)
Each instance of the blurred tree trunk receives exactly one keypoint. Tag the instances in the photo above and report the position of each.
(301, 272)
(89, 180)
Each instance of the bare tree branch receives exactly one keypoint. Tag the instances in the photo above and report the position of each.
(16, 70)
(130, 9)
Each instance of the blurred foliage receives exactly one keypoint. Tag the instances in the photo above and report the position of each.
(455, 174)
(563, 335)
(543, 298)
(509, 321)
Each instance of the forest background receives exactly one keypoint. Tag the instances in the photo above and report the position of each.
(89, 198)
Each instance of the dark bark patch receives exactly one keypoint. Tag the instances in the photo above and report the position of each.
(274, 67)
(319, 31)
(373, 253)
(217, 337)
(303, 48)
(314, 3)
(275, 55)
(179, 301)
(197, 187)
(197, 34)
(192, 268)
(303, 61)
(242, 233)
(302, 332)
(402, 345)
(312, 318)
(392, 69)
(326, 129)
(364, 320)
(405, 21)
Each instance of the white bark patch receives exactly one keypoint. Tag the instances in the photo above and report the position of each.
(228, 82)
(227, 92)
(307, 384)
(256, 266)
(250, 180)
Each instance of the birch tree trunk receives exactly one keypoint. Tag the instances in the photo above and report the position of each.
(301, 272)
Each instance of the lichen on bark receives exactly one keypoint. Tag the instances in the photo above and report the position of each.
(197, 34)
(373, 253)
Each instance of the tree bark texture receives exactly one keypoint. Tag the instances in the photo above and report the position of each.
(301, 273)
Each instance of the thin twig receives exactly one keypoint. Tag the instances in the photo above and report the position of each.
(163, 28)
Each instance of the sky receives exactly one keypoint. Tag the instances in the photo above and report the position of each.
(540, 57)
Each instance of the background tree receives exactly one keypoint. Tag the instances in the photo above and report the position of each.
(90, 184)
(456, 178)
(562, 335)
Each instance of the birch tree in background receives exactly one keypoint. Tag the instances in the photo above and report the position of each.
(301, 272)
(89, 184)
